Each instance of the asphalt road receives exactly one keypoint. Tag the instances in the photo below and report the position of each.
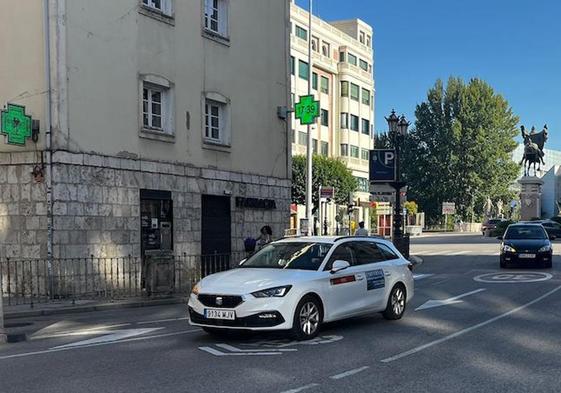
(489, 331)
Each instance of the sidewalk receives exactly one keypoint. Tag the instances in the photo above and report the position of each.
(17, 327)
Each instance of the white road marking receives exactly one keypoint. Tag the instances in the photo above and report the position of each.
(216, 352)
(431, 253)
(312, 385)
(513, 278)
(459, 253)
(234, 349)
(349, 373)
(421, 276)
(446, 302)
(467, 330)
(162, 320)
(110, 336)
(89, 331)
(26, 354)
(283, 343)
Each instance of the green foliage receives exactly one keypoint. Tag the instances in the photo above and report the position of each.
(326, 172)
(460, 149)
(411, 207)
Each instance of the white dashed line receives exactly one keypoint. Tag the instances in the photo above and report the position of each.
(421, 276)
(459, 253)
(349, 373)
(467, 330)
(312, 385)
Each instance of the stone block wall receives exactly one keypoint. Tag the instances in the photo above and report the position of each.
(96, 205)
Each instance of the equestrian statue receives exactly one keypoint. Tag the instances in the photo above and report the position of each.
(533, 149)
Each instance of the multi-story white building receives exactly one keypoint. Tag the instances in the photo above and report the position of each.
(159, 126)
(343, 82)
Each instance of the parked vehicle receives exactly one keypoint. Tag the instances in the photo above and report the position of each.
(489, 225)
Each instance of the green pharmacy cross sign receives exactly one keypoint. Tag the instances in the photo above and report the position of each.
(307, 110)
(15, 124)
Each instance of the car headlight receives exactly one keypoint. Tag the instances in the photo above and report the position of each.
(545, 248)
(195, 290)
(273, 292)
(507, 248)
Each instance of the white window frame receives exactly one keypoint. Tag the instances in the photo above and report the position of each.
(216, 11)
(165, 7)
(224, 130)
(154, 83)
(326, 49)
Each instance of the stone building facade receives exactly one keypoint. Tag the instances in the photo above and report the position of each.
(155, 120)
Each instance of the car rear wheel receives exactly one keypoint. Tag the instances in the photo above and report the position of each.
(396, 303)
(307, 319)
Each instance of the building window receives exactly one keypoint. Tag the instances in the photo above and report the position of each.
(344, 89)
(315, 44)
(341, 57)
(368, 41)
(354, 151)
(355, 92)
(215, 121)
(364, 154)
(155, 107)
(293, 136)
(354, 123)
(302, 138)
(362, 37)
(303, 70)
(216, 16)
(324, 85)
(314, 146)
(352, 59)
(363, 184)
(325, 49)
(292, 65)
(301, 33)
(163, 6)
(366, 126)
(314, 81)
(344, 120)
(364, 65)
(366, 96)
(324, 149)
(324, 117)
(344, 149)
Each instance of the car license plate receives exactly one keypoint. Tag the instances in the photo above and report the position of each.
(220, 314)
(527, 256)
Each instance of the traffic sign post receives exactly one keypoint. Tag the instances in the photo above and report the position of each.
(448, 208)
(383, 166)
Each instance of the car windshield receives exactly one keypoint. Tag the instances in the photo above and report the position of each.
(525, 232)
(289, 255)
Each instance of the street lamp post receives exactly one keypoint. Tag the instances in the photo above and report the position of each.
(397, 131)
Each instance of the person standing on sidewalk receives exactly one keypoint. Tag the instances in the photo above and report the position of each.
(361, 231)
(265, 237)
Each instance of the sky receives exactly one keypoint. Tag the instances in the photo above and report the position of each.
(514, 45)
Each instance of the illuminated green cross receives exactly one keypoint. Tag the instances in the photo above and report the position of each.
(307, 110)
(15, 124)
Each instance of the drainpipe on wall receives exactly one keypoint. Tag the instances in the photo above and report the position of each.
(48, 139)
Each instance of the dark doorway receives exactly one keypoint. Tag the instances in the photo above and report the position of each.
(216, 241)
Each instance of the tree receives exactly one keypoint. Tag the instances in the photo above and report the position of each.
(460, 150)
(327, 172)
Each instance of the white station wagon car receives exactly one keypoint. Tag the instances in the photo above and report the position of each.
(297, 284)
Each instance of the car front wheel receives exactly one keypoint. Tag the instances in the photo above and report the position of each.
(307, 319)
(396, 303)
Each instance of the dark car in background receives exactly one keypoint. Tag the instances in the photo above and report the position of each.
(526, 244)
(489, 225)
(551, 227)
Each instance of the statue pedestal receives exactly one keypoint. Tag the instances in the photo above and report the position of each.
(530, 197)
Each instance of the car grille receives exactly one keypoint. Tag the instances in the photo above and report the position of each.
(226, 302)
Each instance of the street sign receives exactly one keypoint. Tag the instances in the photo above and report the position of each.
(307, 110)
(15, 124)
(304, 226)
(383, 192)
(382, 166)
(448, 208)
(327, 192)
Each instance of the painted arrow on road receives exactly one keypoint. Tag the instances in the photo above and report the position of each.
(447, 302)
(109, 336)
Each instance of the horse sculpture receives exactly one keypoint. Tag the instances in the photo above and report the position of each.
(533, 149)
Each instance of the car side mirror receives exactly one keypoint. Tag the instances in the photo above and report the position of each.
(499, 238)
(339, 265)
(552, 237)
